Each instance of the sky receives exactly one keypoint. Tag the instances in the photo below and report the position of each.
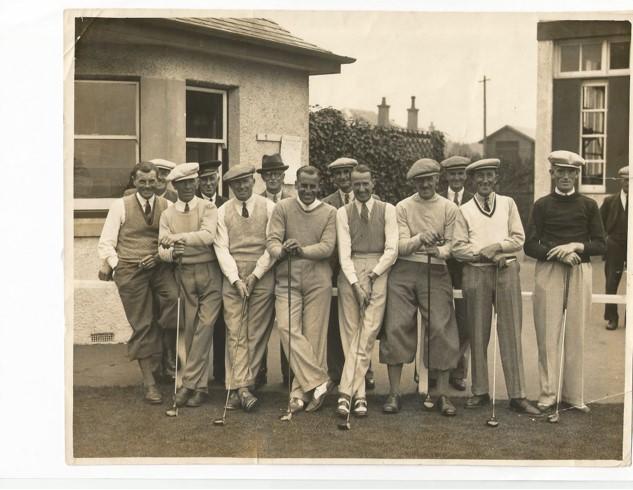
(438, 57)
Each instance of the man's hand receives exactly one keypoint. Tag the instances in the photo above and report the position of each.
(292, 246)
(179, 250)
(490, 251)
(427, 238)
(169, 240)
(571, 259)
(432, 251)
(105, 272)
(361, 295)
(560, 251)
(241, 287)
(501, 262)
(250, 282)
(148, 262)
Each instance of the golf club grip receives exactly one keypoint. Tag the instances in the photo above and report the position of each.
(568, 270)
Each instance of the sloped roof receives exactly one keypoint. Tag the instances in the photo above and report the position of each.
(259, 31)
(527, 133)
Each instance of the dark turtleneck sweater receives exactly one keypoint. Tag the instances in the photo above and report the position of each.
(557, 220)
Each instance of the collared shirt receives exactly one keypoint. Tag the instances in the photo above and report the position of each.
(561, 193)
(180, 205)
(274, 197)
(207, 198)
(451, 195)
(623, 197)
(314, 204)
(390, 254)
(481, 200)
(110, 232)
(221, 244)
(350, 196)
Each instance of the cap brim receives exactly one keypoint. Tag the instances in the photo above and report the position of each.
(420, 176)
(566, 165)
(282, 167)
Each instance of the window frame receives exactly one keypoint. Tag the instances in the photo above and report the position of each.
(605, 70)
(591, 188)
(93, 204)
(222, 141)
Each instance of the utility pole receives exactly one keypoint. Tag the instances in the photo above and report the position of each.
(485, 134)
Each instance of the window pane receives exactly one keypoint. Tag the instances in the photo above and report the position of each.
(105, 108)
(619, 55)
(569, 56)
(593, 97)
(591, 57)
(102, 167)
(593, 123)
(593, 148)
(199, 152)
(592, 174)
(204, 115)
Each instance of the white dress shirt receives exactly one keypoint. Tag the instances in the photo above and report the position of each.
(623, 199)
(180, 205)
(390, 254)
(207, 198)
(350, 195)
(274, 197)
(561, 193)
(451, 195)
(221, 243)
(314, 204)
(110, 232)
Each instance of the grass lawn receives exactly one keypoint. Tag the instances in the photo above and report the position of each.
(114, 422)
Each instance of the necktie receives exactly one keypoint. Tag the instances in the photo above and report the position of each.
(274, 198)
(244, 210)
(364, 213)
(456, 198)
(346, 198)
(486, 205)
(186, 207)
(148, 209)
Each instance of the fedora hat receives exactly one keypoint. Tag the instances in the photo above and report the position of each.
(272, 162)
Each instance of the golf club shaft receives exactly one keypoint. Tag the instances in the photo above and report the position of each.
(428, 326)
(360, 333)
(494, 347)
(179, 268)
(562, 340)
(289, 331)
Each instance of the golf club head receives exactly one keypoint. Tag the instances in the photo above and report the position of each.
(344, 425)
(219, 422)
(492, 422)
(172, 412)
(428, 402)
(553, 418)
(287, 417)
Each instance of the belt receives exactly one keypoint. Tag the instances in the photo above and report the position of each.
(480, 263)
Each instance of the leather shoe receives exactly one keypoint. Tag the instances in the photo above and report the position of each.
(342, 407)
(317, 401)
(247, 400)
(569, 406)
(477, 401)
(612, 325)
(522, 405)
(199, 398)
(446, 407)
(182, 396)
(153, 395)
(234, 401)
(458, 383)
(392, 404)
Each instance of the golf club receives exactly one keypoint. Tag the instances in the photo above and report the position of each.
(173, 411)
(287, 417)
(346, 425)
(492, 421)
(222, 421)
(555, 417)
(428, 401)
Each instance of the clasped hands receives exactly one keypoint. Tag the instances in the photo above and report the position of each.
(291, 247)
(176, 240)
(245, 287)
(363, 288)
(567, 254)
(429, 241)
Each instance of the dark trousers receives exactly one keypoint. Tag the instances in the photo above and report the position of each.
(613, 268)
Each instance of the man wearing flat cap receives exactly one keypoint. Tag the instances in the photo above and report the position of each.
(487, 235)
(615, 218)
(425, 225)
(163, 188)
(273, 172)
(187, 231)
(207, 190)
(128, 250)
(454, 169)
(249, 301)
(303, 230)
(564, 231)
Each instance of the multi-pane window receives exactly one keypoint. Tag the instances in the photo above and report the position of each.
(106, 140)
(593, 135)
(593, 57)
(206, 124)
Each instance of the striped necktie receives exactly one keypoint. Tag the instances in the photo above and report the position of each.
(364, 213)
(148, 209)
(346, 197)
(486, 205)
(244, 210)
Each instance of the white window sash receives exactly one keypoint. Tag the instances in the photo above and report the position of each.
(593, 188)
(604, 71)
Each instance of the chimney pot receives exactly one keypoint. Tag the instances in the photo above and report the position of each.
(412, 116)
(383, 114)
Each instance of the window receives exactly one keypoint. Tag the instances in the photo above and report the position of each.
(106, 140)
(588, 57)
(206, 124)
(593, 135)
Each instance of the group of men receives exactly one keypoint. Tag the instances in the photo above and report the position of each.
(255, 259)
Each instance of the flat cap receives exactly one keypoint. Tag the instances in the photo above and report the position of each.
(272, 162)
(238, 172)
(342, 162)
(455, 163)
(624, 171)
(160, 163)
(423, 167)
(484, 164)
(564, 158)
(209, 167)
(184, 171)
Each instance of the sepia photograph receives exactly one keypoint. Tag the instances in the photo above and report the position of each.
(347, 237)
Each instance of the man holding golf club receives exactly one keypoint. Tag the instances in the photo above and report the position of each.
(420, 280)
(240, 246)
(128, 251)
(564, 231)
(367, 235)
(301, 238)
(187, 231)
(487, 235)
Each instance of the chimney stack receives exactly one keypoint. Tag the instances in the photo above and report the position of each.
(412, 116)
(383, 114)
